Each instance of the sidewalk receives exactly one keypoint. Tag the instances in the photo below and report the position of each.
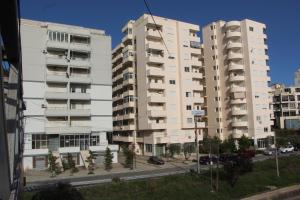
(282, 193)
(118, 168)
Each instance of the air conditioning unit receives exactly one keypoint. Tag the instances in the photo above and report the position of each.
(44, 51)
(44, 106)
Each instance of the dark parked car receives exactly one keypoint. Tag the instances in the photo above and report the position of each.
(247, 153)
(155, 160)
(205, 160)
(297, 147)
(228, 157)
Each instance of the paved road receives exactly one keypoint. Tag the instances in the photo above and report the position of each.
(98, 179)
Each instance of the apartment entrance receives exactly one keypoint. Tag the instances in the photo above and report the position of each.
(159, 150)
(82, 141)
(53, 142)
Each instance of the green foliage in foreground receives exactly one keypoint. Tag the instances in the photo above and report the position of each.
(193, 187)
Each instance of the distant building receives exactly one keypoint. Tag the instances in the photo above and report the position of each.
(236, 69)
(286, 106)
(68, 92)
(157, 83)
(297, 78)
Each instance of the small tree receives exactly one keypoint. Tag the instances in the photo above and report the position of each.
(228, 146)
(244, 143)
(90, 160)
(188, 149)
(129, 154)
(234, 169)
(53, 165)
(108, 159)
(174, 149)
(72, 164)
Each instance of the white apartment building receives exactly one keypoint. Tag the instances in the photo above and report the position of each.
(158, 79)
(297, 78)
(286, 106)
(236, 68)
(67, 91)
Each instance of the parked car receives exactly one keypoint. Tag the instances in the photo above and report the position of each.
(286, 149)
(206, 160)
(297, 147)
(247, 153)
(156, 160)
(227, 157)
(270, 152)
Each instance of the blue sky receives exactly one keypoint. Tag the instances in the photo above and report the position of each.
(282, 18)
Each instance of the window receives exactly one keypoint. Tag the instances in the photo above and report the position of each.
(291, 97)
(211, 27)
(172, 82)
(284, 98)
(148, 147)
(264, 30)
(217, 98)
(215, 67)
(83, 90)
(266, 129)
(213, 47)
(189, 120)
(213, 37)
(251, 28)
(216, 78)
(258, 118)
(95, 140)
(188, 94)
(186, 69)
(188, 107)
(214, 57)
(39, 141)
(217, 88)
(218, 119)
(297, 89)
(128, 76)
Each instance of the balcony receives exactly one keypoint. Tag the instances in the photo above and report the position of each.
(158, 86)
(56, 112)
(155, 72)
(57, 45)
(154, 34)
(129, 116)
(128, 104)
(117, 138)
(237, 89)
(129, 81)
(157, 113)
(117, 58)
(157, 126)
(233, 67)
(233, 24)
(197, 87)
(155, 59)
(238, 101)
(84, 79)
(234, 45)
(118, 107)
(197, 75)
(130, 127)
(195, 51)
(56, 95)
(196, 62)
(129, 58)
(57, 78)
(127, 48)
(239, 111)
(79, 96)
(155, 46)
(237, 78)
(127, 37)
(156, 99)
(128, 70)
(80, 112)
(239, 123)
(198, 100)
(80, 62)
(233, 34)
(235, 56)
(80, 46)
(128, 92)
(68, 130)
(239, 133)
(118, 118)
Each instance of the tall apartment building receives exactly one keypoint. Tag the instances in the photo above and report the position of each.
(297, 78)
(68, 92)
(286, 106)
(236, 69)
(158, 80)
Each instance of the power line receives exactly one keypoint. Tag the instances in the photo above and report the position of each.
(156, 26)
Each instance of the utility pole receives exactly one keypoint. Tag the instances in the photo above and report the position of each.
(276, 155)
(211, 166)
(197, 144)
(218, 157)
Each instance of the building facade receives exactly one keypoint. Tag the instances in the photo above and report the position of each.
(297, 78)
(158, 79)
(67, 91)
(236, 68)
(286, 106)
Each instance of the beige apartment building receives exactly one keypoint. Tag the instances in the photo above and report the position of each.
(236, 68)
(158, 79)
